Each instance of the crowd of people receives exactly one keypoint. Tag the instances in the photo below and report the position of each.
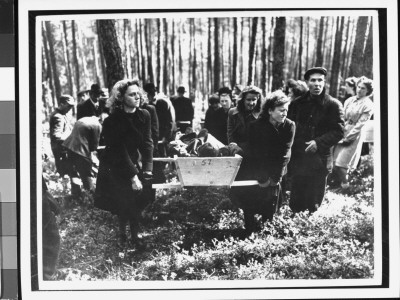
(290, 142)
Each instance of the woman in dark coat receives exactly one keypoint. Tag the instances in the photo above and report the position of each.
(270, 142)
(239, 119)
(127, 132)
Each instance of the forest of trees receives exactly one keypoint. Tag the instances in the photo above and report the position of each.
(202, 54)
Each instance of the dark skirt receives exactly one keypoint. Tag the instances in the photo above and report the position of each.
(115, 194)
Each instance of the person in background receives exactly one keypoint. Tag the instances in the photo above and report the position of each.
(295, 89)
(216, 119)
(90, 107)
(83, 96)
(350, 85)
(350, 91)
(81, 144)
(60, 129)
(144, 104)
(127, 161)
(165, 114)
(357, 111)
(236, 93)
(270, 141)
(319, 126)
(158, 166)
(225, 98)
(239, 119)
(184, 111)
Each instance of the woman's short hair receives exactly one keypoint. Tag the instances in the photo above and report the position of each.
(118, 92)
(352, 82)
(299, 87)
(251, 89)
(368, 84)
(276, 99)
(213, 99)
(225, 90)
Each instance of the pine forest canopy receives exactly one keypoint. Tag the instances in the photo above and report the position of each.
(202, 54)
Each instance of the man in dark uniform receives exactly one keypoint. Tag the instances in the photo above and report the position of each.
(184, 111)
(90, 107)
(319, 121)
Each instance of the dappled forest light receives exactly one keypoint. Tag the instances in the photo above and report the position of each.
(202, 54)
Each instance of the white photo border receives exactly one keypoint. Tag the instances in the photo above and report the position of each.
(194, 289)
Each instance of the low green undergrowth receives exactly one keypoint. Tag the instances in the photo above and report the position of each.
(197, 234)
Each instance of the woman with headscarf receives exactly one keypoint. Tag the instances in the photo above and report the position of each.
(127, 132)
(239, 119)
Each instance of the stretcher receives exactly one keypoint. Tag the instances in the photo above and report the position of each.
(205, 171)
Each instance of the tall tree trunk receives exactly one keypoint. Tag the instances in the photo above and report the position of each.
(252, 45)
(368, 54)
(229, 69)
(158, 53)
(147, 28)
(194, 66)
(202, 83)
(357, 57)
(127, 39)
(142, 54)
(102, 67)
(235, 53)
(53, 62)
(344, 54)
(165, 65)
(68, 60)
(96, 61)
(336, 58)
(278, 53)
(300, 49)
(325, 40)
(209, 59)
(82, 56)
(112, 52)
(351, 46)
(241, 73)
(137, 49)
(270, 47)
(293, 61)
(320, 59)
(308, 43)
(222, 52)
(217, 65)
(330, 47)
(190, 55)
(180, 61)
(49, 71)
(263, 84)
(173, 87)
(75, 55)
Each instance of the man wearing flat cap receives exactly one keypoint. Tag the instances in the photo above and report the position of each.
(60, 129)
(319, 126)
(90, 107)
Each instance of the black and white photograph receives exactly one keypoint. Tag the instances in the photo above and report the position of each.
(207, 152)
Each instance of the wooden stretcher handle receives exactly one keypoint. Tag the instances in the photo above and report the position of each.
(166, 159)
(244, 183)
(178, 185)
